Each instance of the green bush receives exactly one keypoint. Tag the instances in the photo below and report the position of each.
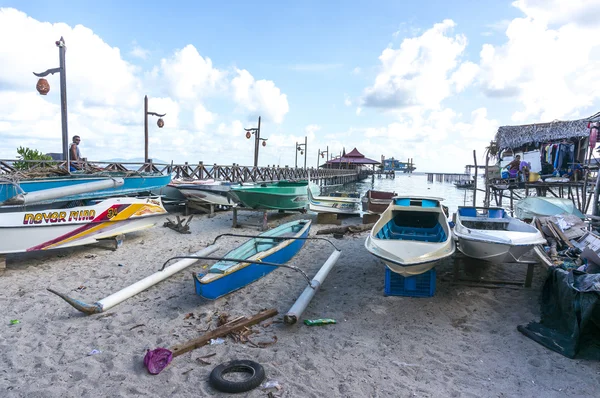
(28, 154)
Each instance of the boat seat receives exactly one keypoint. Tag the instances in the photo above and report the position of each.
(485, 219)
(395, 232)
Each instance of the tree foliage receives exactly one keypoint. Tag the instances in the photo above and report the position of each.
(28, 154)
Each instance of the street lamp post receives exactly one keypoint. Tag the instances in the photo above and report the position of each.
(257, 139)
(43, 88)
(159, 122)
(322, 154)
(302, 149)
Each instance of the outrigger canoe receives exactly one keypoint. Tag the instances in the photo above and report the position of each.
(276, 246)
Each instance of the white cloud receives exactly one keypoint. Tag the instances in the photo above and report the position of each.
(356, 71)
(139, 52)
(418, 74)
(202, 117)
(191, 76)
(549, 62)
(259, 97)
(347, 100)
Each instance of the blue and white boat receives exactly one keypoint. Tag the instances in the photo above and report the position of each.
(277, 246)
(412, 235)
(133, 184)
(488, 233)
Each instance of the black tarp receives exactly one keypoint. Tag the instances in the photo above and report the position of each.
(570, 313)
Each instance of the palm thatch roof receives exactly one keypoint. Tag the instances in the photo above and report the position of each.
(516, 136)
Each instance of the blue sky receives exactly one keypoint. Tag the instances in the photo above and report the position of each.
(430, 80)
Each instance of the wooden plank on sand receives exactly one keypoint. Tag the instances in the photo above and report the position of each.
(221, 331)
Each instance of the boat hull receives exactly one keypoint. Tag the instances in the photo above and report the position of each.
(280, 196)
(205, 196)
(496, 253)
(132, 185)
(411, 236)
(489, 234)
(82, 225)
(333, 204)
(213, 288)
(375, 202)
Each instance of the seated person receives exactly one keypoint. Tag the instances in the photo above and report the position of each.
(513, 167)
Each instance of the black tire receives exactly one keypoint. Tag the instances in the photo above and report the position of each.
(256, 371)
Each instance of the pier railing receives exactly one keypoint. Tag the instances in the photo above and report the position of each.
(199, 171)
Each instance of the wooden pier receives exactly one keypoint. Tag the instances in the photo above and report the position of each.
(201, 171)
(447, 177)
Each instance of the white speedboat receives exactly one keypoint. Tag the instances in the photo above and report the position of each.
(542, 206)
(59, 227)
(488, 233)
(412, 235)
(208, 192)
(335, 202)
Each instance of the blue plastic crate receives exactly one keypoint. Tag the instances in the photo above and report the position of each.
(422, 285)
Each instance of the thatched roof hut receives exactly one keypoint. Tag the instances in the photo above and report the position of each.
(518, 136)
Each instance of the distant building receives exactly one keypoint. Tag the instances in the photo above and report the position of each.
(350, 160)
(397, 165)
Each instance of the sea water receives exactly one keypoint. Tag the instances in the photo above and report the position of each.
(416, 184)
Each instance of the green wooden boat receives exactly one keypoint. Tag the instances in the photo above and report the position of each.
(282, 195)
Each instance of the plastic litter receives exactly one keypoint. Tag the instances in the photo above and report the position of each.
(271, 384)
(157, 359)
(14, 321)
(94, 352)
(319, 322)
(120, 265)
(218, 340)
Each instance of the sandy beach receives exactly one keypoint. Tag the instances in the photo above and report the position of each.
(461, 342)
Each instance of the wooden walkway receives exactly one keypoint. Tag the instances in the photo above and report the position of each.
(201, 171)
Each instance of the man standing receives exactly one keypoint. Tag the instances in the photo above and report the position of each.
(74, 153)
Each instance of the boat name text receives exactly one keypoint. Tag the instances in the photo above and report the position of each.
(56, 217)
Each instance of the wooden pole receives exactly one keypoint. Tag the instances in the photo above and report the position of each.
(486, 198)
(145, 129)
(222, 331)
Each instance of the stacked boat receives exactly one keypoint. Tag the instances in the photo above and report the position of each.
(412, 235)
(281, 195)
(335, 202)
(490, 234)
(72, 210)
(205, 192)
(375, 202)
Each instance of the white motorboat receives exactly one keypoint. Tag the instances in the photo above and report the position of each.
(542, 206)
(412, 235)
(209, 192)
(59, 227)
(335, 202)
(490, 234)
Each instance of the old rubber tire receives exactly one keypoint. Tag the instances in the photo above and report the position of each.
(256, 371)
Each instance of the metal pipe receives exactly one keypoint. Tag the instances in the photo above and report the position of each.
(300, 305)
(28, 198)
(132, 290)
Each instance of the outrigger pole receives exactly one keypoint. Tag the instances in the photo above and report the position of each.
(132, 290)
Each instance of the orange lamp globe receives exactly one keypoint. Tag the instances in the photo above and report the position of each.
(160, 123)
(248, 134)
(264, 143)
(42, 86)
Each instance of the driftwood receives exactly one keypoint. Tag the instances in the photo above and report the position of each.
(345, 229)
(224, 330)
(179, 226)
(560, 234)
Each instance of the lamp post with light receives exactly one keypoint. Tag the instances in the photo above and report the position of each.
(257, 139)
(160, 123)
(302, 149)
(43, 87)
(322, 154)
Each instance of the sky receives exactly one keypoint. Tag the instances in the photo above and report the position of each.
(430, 80)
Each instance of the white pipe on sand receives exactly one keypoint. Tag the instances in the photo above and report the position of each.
(132, 290)
(300, 305)
(56, 193)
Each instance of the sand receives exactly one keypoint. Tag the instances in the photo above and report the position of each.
(461, 342)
